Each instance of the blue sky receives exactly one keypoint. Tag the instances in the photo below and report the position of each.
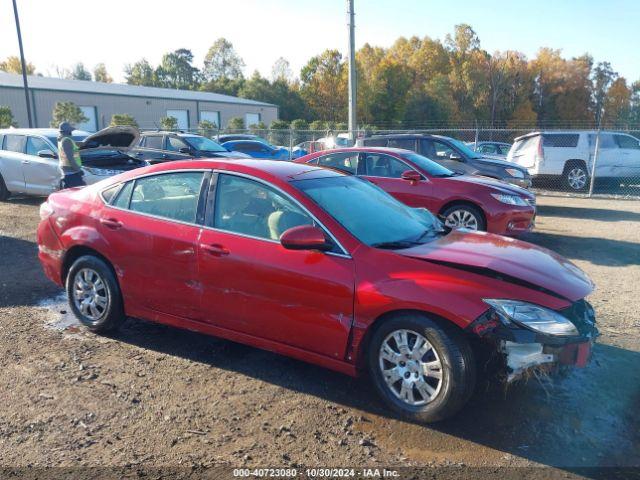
(121, 31)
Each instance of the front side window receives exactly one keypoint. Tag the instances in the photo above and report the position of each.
(504, 149)
(381, 165)
(406, 143)
(35, 144)
(252, 208)
(487, 148)
(345, 161)
(169, 195)
(175, 144)
(442, 150)
(625, 141)
(14, 143)
(370, 214)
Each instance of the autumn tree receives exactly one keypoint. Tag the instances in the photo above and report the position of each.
(12, 64)
(100, 74)
(324, 85)
(281, 70)
(67, 112)
(236, 123)
(617, 104)
(6, 117)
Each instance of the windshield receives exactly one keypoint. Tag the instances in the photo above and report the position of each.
(370, 214)
(204, 144)
(429, 166)
(467, 152)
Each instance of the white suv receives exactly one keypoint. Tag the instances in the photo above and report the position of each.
(569, 156)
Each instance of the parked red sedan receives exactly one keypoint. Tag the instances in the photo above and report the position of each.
(464, 201)
(318, 265)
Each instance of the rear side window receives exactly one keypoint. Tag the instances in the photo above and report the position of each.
(153, 141)
(169, 195)
(560, 140)
(526, 144)
(109, 193)
(122, 200)
(375, 142)
(406, 143)
(14, 143)
(346, 162)
(625, 141)
(1, 142)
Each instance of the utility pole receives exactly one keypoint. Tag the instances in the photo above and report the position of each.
(24, 65)
(352, 72)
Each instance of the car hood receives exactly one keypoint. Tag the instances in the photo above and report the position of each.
(493, 184)
(117, 137)
(508, 260)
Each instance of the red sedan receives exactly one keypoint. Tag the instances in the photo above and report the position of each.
(463, 201)
(318, 265)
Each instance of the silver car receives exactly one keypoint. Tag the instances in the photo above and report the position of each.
(29, 158)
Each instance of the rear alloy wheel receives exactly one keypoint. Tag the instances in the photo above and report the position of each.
(464, 216)
(576, 177)
(421, 369)
(94, 294)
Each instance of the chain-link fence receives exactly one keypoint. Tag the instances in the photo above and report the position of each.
(568, 161)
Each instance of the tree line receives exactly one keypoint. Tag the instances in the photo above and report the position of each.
(416, 82)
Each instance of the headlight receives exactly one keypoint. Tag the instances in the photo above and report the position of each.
(510, 199)
(514, 172)
(535, 317)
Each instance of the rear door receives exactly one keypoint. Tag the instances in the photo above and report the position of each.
(41, 175)
(609, 159)
(12, 161)
(152, 227)
(253, 285)
(386, 172)
(629, 155)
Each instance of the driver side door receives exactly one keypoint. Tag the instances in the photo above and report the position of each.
(41, 175)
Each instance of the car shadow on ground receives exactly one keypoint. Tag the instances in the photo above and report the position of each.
(585, 420)
(27, 200)
(600, 214)
(599, 251)
(22, 281)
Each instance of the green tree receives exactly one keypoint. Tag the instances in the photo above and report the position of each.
(100, 74)
(319, 125)
(176, 70)
(222, 61)
(603, 77)
(140, 73)
(13, 65)
(207, 128)
(123, 119)
(236, 123)
(79, 72)
(6, 117)
(169, 123)
(634, 114)
(279, 132)
(67, 112)
(298, 128)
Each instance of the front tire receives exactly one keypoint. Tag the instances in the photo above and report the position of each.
(422, 370)
(4, 192)
(464, 216)
(94, 294)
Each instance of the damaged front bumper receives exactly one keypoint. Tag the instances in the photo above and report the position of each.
(522, 351)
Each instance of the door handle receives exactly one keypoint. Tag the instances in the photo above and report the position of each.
(111, 223)
(214, 249)
(25, 161)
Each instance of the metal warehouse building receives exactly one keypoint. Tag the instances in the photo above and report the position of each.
(99, 101)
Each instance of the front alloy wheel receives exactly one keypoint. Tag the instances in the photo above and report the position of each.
(464, 216)
(411, 367)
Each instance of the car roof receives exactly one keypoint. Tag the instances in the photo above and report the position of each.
(397, 151)
(45, 132)
(275, 169)
(409, 135)
(261, 142)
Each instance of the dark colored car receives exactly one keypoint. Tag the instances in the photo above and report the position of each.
(257, 149)
(453, 154)
(188, 144)
(232, 137)
(318, 265)
(463, 201)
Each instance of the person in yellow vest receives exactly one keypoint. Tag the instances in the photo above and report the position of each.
(70, 163)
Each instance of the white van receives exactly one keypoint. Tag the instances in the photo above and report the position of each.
(569, 156)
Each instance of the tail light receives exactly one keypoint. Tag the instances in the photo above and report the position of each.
(46, 210)
(540, 154)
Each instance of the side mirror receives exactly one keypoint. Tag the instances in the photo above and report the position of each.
(456, 157)
(305, 237)
(411, 176)
(185, 150)
(47, 154)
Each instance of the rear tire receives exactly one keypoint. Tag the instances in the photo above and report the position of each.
(94, 294)
(4, 193)
(576, 177)
(433, 380)
(464, 216)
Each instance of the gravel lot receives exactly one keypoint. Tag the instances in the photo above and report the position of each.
(156, 396)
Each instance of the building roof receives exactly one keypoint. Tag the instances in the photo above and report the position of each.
(83, 86)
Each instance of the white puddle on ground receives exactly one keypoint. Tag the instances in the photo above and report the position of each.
(60, 316)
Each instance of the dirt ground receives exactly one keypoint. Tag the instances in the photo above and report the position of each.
(152, 395)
